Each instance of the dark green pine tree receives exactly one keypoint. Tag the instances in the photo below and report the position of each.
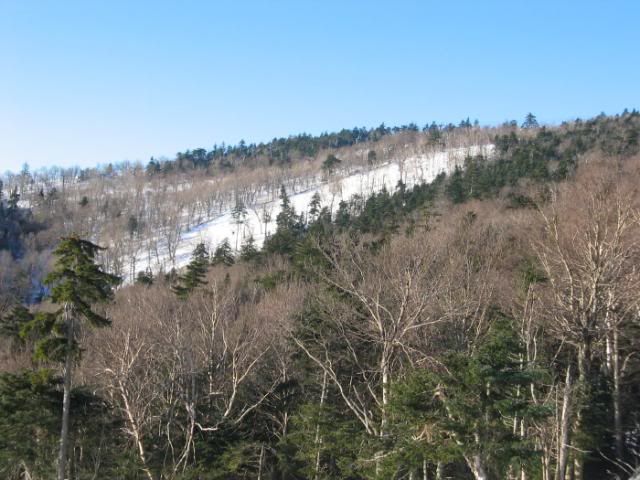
(314, 207)
(30, 429)
(372, 157)
(13, 324)
(239, 216)
(330, 164)
(195, 272)
(468, 409)
(434, 134)
(455, 189)
(286, 219)
(290, 228)
(343, 217)
(29, 424)
(249, 252)
(77, 283)
(223, 254)
(530, 121)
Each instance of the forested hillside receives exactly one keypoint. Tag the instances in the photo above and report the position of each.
(143, 214)
(482, 325)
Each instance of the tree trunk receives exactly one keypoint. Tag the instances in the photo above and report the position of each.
(477, 467)
(66, 399)
(261, 462)
(563, 436)
(613, 370)
(570, 473)
(318, 439)
(384, 369)
(617, 407)
(546, 464)
(523, 472)
(137, 436)
(584, 371)
(385, 395)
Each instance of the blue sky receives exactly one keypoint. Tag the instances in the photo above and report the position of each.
(86, 83)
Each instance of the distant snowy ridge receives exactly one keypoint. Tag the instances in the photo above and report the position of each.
(260, 220)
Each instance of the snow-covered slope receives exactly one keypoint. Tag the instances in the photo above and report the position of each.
(340, 186)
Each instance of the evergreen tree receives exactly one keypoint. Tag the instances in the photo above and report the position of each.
(13, 323)
(145, 277)
(223, 254)
(29, 424)
(290, 228)
(153, 167)
(330, 164)
(434, 134)
(239, 216)
(195, 273)
(530, 121)
(76, 283)
(132, 225)
(455, 188)
(314, 207)
(249, 252)
(14, 198)
(286, 219)
(30, 428)
(343, 217)
(465, 123)
(468, 408)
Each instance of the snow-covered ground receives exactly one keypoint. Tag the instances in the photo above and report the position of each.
(340, 186)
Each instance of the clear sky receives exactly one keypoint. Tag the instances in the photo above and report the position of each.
(92, 82)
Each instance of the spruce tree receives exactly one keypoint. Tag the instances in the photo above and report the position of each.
(530, 121)
(29, 424)
(290, 228)
(30, 427)
(314, 207)
(13, 323)
(287, 217)
(195, 272)
(343, 217)
(76, 283)
(249, 252)
(330, 164)
(223, 254)
(469, 406)
(455, 189)
(239, 215)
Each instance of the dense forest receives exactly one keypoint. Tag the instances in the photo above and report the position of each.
(480, 326)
